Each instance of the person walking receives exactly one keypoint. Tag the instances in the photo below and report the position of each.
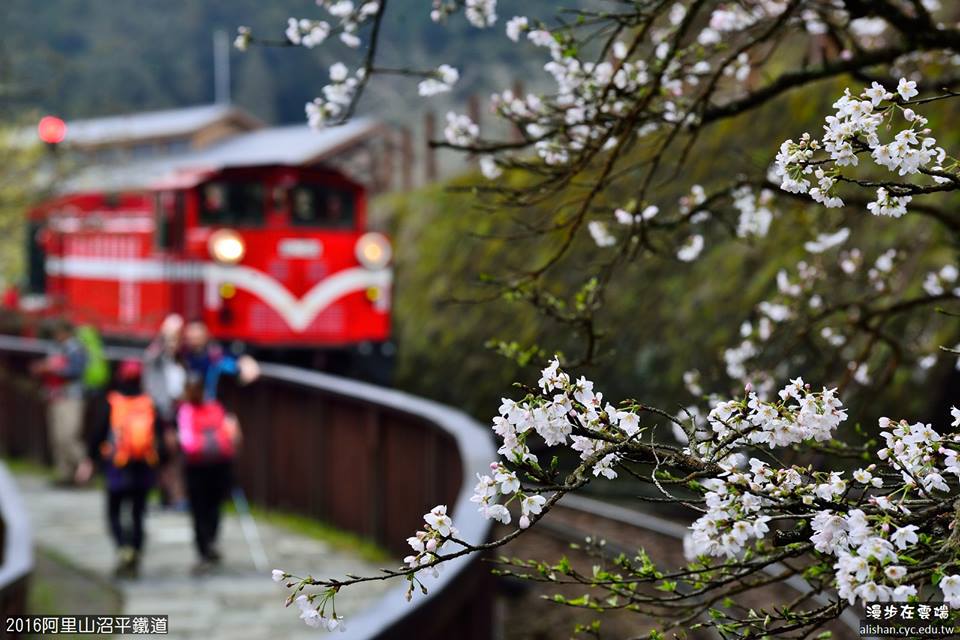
(127, 444)
(96, 373)
(206, 432)
(209, 439)
(207, 359)
(163, 380)
(96, 376)
(62, 372)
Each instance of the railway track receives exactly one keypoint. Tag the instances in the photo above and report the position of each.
(623, 530)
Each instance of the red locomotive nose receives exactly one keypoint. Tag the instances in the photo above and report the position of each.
(52, 129)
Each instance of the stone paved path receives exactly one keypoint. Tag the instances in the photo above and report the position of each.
(235, 603)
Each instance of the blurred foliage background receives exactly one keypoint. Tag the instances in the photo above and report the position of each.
(24, 179)
(661, 317)
(79, 59)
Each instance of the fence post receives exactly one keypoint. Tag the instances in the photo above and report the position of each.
(430, 154)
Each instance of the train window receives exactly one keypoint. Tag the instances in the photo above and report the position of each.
(321, 206)
(170, 220)
(36, 259)
(279, 196)
(239, 203)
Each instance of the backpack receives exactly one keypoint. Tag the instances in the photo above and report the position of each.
(132, 430)
(206, 435)
(96, 375)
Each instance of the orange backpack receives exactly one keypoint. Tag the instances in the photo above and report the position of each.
(132, 437)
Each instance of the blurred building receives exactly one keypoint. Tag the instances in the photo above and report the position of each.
(153, 133)
(137, 149)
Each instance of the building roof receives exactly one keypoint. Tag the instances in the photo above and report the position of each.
(151, 124)
(293, 145)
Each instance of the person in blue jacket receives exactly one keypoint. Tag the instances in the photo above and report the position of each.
(207, 359)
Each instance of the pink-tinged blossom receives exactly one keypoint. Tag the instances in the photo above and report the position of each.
(439, 520)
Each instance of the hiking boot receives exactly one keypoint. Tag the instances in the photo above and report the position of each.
(203, 567)
(128, 562)
(134, 566)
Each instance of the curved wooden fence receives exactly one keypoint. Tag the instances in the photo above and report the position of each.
(364, 458)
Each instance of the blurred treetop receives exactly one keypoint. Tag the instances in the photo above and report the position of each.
(79, 59)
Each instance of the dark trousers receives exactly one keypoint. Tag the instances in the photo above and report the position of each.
(135, 500)
(208, 485)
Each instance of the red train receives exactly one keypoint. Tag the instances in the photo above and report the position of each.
(276, 257)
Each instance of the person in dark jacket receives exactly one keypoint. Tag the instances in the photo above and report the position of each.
(128, 445)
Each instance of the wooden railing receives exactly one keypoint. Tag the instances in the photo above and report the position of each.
(367, 459)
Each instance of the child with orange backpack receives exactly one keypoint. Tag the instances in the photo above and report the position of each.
(209, 438)
(128, 445)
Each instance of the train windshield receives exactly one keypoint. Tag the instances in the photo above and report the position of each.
(314, 205)
(233, 203)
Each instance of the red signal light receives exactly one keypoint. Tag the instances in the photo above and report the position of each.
(52, 129)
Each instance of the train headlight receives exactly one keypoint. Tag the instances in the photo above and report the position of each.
(373, 250)
(226, 246)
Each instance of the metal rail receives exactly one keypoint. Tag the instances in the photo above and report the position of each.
(16, 550)
(672, 529)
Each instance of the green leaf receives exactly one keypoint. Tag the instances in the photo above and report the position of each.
(667, 585)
